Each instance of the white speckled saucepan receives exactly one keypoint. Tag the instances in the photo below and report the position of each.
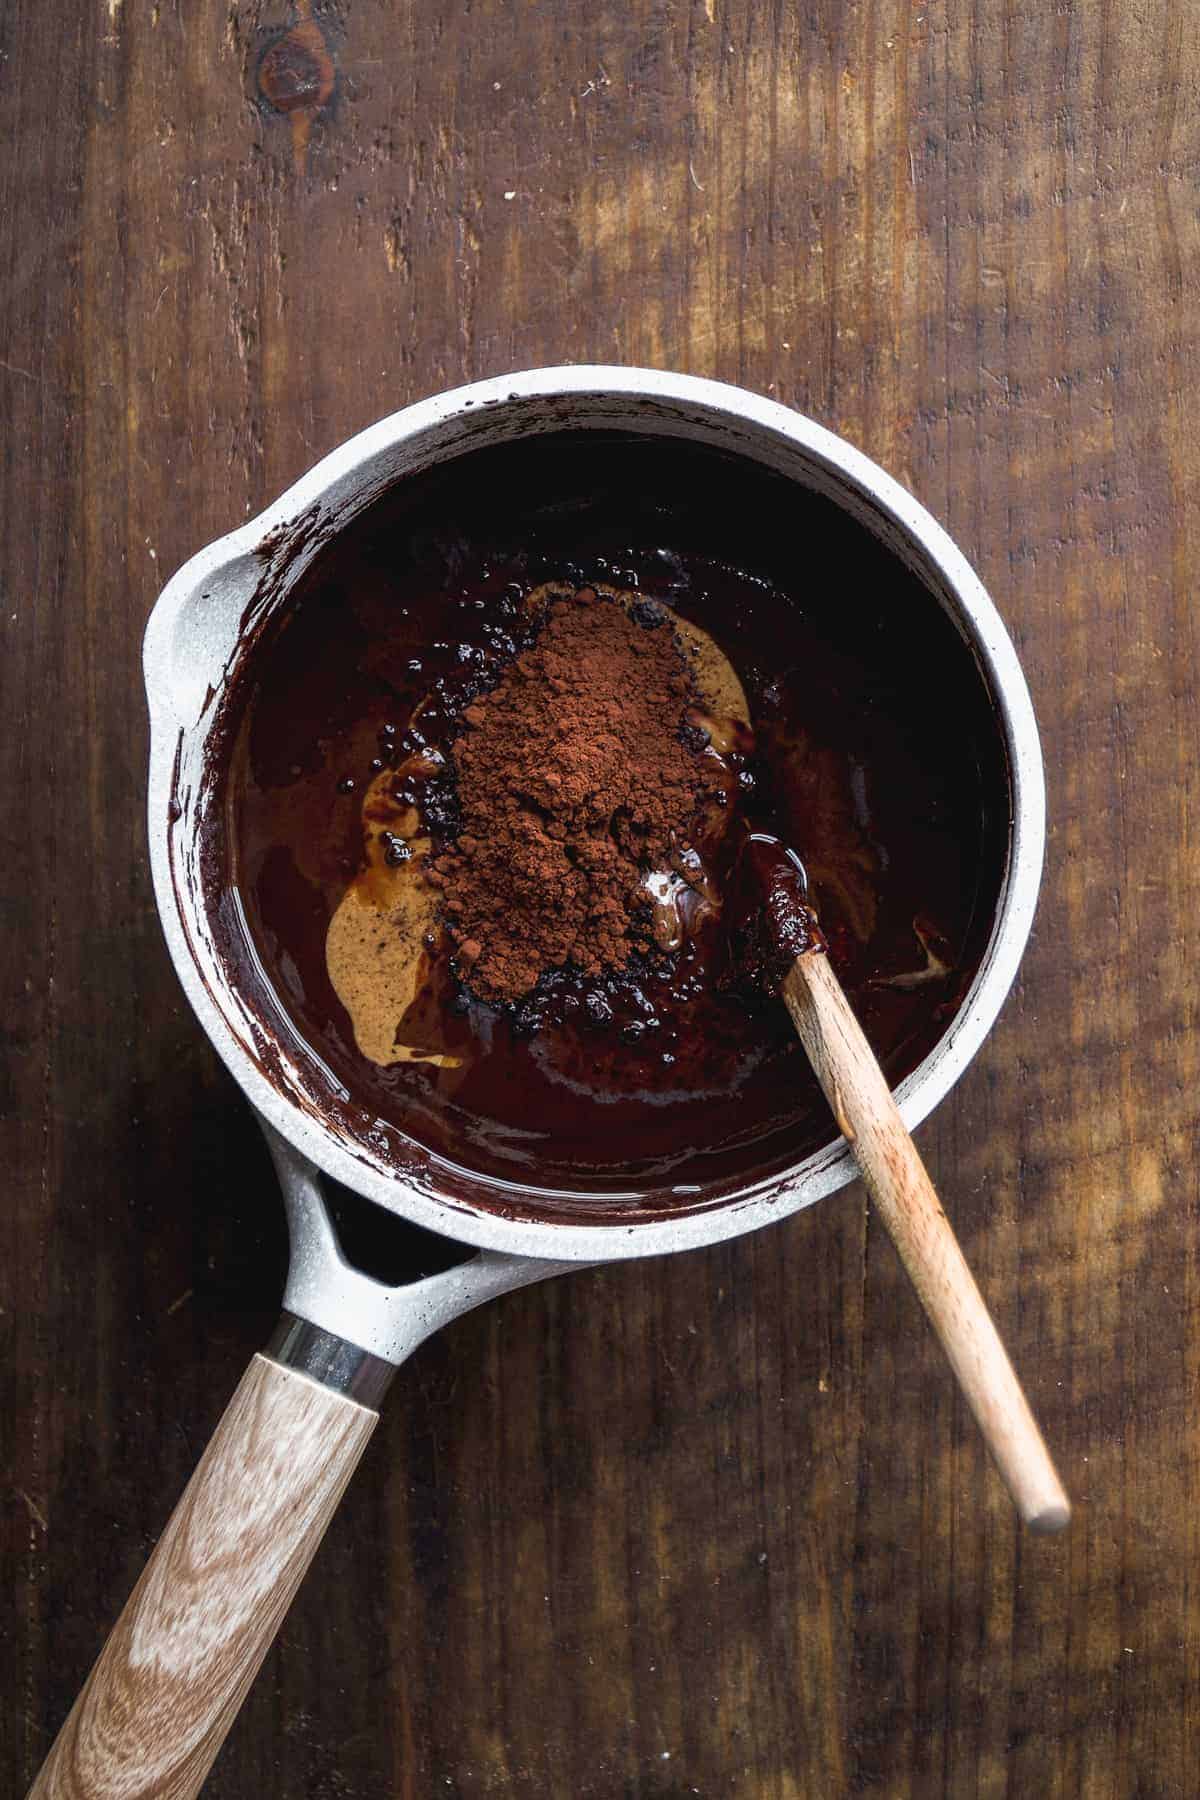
(170, 1679)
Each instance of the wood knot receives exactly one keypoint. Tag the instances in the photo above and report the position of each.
(296, 70)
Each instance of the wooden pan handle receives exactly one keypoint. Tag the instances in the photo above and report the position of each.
(904, 1196)
(168, 1683)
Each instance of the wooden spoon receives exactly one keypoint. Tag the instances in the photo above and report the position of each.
(897, 1181)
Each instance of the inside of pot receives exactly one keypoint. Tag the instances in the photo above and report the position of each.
(877, 752)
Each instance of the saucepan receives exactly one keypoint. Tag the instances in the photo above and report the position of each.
(168, 1683)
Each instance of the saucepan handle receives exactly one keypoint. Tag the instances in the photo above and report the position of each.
(168, 1683)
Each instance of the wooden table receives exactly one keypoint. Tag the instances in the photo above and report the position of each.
(715, 1526)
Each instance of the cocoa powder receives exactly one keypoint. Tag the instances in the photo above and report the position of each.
(576, 774)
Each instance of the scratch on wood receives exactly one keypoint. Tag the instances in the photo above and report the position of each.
(34, 1510)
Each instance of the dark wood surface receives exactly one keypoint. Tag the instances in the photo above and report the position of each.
(714, 1526)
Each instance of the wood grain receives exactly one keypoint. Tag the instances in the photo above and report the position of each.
(654, 1529)
(191, 1638)
(903, 1195)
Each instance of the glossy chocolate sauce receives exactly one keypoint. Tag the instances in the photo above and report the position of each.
(875, 754)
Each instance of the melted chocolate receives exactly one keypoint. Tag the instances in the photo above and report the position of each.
(876, 754)
(769, 914)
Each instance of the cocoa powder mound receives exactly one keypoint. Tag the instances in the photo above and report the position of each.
(576, 775)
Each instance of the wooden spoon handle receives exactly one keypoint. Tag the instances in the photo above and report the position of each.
(168, 1683)
(904, 1196)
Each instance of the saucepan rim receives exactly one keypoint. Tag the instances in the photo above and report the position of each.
(336, 489)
